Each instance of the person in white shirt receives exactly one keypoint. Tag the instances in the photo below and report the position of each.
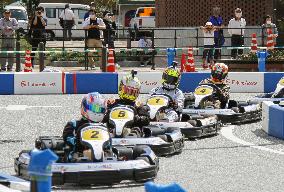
(208, 33)
(68, 18)
(146, 55)
(94, 25)
(236, 29)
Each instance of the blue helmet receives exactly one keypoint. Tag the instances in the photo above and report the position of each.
(93, 107)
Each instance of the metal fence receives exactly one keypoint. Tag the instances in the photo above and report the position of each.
(127, 44)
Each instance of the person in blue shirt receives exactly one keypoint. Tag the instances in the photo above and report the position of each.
(218, 24)
(87, 14)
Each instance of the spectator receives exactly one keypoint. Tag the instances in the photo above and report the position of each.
(146, 56)
(268, 25)
(109, 32)
(208, 33)
(94, 25)
(8, 26)
(68, 18)
(87, 14)
(236, 30)
(219, 39)
(37, 30)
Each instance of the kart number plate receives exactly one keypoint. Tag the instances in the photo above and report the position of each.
(156, 101)
(119, 114)
(92, 134)
(203, 91)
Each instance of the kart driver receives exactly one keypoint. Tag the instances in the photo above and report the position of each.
(219, 73)
(93, 107)
(170, 81)
(279, 91)
(128, 92)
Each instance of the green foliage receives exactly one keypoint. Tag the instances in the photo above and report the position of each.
(31, 5)
(63, 56)
(274, 55)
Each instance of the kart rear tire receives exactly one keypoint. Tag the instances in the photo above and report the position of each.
(124, 152)
(172, 129)
(192, 122)
(138, 150)
(164, 137)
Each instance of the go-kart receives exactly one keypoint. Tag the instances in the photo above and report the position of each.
(163, 141)
(277, 95)
(204, 101)
(161, 115)
(98, 164)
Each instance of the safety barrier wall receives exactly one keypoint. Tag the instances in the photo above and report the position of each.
(107, 83)
(273, 119)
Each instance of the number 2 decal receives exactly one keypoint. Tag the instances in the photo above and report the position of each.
(95, 134)
(157, 100)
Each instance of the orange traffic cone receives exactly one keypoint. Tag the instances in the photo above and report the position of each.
(190, 67)
(269, 43)
(182, 63)
(110, 64)
(253, 43)
(28, 63)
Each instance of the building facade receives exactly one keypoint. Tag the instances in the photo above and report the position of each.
(185, 13)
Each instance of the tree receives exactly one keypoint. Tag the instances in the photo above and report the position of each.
(3, 3)
(102, 5)
(31, 5)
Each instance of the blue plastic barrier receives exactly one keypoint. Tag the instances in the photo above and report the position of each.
(40, 170)
(261, 60)
(7, 84)
(82, 83)
(271, 80)
(189, 81)
(276, 121)
(171, 55)
(152, 187)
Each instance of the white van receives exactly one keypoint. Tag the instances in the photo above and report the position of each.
(52, 12)
(20, 13)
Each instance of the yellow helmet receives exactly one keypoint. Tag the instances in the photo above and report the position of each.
(129, 88)
(171, 78)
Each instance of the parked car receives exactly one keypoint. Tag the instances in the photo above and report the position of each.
(52, 13)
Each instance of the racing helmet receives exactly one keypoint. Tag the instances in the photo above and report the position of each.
(171, 77)
(219, 72)
(129, 87)
(93, 107)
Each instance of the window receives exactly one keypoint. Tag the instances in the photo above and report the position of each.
(18, 14)
(81, 13)
(50, 12)
(59, 11)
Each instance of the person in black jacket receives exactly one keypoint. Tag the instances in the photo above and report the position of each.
(37, 30)
(109, 32)
(93, 107)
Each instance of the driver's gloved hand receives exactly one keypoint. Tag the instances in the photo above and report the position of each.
(71, 140)
(174, 104)
(136, 118)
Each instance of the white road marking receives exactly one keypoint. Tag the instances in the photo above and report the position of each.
(227, 132)
(24, 107)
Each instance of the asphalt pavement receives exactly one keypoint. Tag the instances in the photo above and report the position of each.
(239, 158)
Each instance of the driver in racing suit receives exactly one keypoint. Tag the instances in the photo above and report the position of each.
(219, 73)
(170, 81)
(279, 91)
(128, 92)
(93, 107)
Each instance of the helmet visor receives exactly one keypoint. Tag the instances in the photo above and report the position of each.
(95, 108)
(171, 80)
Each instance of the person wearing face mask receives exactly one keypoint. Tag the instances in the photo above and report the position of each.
(8, 26)
(236, 29)
(268, 25)
(94, 25)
